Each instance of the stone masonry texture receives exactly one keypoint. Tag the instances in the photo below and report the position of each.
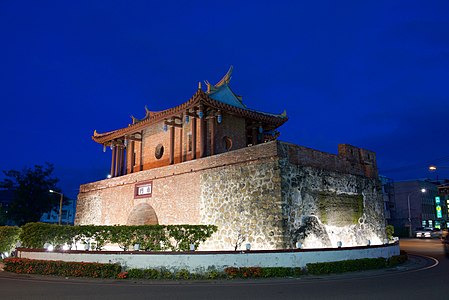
(271, 195)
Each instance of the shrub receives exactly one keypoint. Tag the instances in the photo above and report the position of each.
(122, 275)
(61, 268)
(144, 273)
(397, 259)
(9, 236)
(150, 237)
(182, 274)
(346, 266)
(184, 235)
(389, 231)
(281, 272)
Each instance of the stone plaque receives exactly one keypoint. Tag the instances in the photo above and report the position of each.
(143, 189)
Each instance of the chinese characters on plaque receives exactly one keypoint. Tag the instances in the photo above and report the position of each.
(143, 189)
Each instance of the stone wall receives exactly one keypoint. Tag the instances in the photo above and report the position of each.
(244, 202)
(324, 205)
(271, 195)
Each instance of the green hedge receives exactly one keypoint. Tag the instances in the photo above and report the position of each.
(81, 269)
(355, 265)
(61, 268)
(9, 236)
(149, 237)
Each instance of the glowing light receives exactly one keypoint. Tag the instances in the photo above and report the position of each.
(50, 247)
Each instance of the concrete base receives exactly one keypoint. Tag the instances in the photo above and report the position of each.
(200, 261)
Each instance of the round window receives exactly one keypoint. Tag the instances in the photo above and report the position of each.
(227, 143)
(159, 151)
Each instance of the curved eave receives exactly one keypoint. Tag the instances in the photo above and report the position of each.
(200, 97)
(154, 118)
(274, 120)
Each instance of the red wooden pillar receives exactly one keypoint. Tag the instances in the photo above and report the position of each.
(202, 137)
(193, 137)
(132, 157)
(172, 145)
(113, 159)
(123, 171)
(254, 135)
(117, 161)
(212, 135)
(141, 152)
(181, 132)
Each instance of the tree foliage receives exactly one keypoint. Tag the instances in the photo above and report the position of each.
(31, 197)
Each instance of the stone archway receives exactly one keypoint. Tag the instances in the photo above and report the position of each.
(142, 214)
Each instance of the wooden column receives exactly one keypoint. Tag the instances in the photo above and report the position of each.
(181, 131)
(133, 157)
(254, 133)
(193, 137)
(113, 160)
(118, 161)
(141, 152)
(212, 135)
(202, 137)
(172, 145)
(123, 172)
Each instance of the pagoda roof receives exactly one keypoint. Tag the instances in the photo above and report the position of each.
(218, 96)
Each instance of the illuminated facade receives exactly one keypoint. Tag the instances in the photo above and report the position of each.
(212, 160)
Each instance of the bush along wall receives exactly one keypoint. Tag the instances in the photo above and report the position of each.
(9, 236)
(61, 268)
(149, 237)
(97, 270)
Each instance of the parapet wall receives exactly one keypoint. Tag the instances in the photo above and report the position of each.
(350, 159)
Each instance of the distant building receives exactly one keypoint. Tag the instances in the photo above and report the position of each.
(443, 192)
(212, 160)
(68, 210)
(388, 197)
(412, 207)
(67, 215)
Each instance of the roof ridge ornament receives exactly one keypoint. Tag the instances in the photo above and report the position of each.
(226, 78)
(284, 113)
(223, 81)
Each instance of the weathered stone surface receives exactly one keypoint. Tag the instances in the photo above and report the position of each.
(142, 214)
(270, 195)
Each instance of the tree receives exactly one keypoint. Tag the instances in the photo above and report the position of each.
(31, 197)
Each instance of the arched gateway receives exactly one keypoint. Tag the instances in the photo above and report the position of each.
(142, 214)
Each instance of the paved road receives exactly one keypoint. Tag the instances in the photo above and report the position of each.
(420, 278)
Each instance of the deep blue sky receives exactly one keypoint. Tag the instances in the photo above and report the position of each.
(369, 73)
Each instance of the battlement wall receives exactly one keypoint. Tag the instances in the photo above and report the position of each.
(350, 159)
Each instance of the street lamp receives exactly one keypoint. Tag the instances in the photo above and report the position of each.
(434, 168)
(60, 204)
(409, 213)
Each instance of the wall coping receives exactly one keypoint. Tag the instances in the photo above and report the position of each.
(201, 261)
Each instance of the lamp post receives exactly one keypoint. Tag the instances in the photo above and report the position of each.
(434, 168)
(409, 212)
(60, 204)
